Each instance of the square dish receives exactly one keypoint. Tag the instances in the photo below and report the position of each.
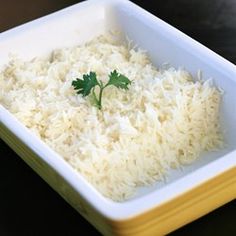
(162, 40)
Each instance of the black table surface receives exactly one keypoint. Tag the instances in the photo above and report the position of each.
(28, 206)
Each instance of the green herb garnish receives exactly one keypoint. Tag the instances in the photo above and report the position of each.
(87, 85)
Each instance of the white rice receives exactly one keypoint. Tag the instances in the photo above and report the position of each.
(165, 119)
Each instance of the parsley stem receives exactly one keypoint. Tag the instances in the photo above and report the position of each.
(95, 98)
(100, 98)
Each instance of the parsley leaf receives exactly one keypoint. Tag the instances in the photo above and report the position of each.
(89, 82)
(118, 80)
(84, 86)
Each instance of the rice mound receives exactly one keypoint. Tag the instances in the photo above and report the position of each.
(165, 120)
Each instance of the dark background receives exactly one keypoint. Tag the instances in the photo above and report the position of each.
(28, 206)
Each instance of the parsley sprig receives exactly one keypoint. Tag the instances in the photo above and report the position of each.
(87, 85)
